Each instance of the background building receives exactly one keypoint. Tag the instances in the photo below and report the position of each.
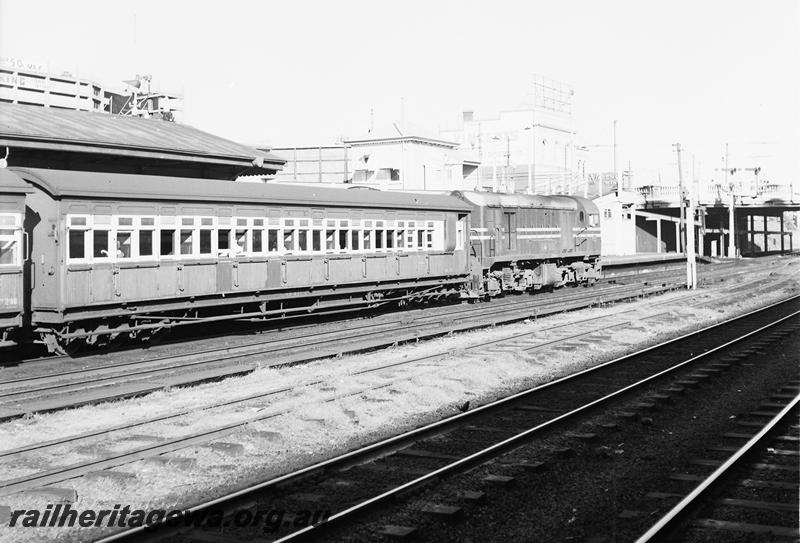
(389, 163)
(529, 149)
(31, 83)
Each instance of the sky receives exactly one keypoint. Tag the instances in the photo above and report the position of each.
(305, 72)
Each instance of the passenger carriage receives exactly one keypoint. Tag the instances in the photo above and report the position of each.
(13, 255)
(528, 242)
(132, 254)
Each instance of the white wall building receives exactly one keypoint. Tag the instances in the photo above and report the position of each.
(408, 163)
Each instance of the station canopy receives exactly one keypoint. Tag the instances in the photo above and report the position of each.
(41, 137)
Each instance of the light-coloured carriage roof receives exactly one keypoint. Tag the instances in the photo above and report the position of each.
(10, 183)
(499, 199)
(113, 186)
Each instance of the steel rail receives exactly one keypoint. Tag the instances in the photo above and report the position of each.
(409, 436)
(509, 313)
(667, 524)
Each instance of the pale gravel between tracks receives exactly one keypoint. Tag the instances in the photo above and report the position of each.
(315, 430)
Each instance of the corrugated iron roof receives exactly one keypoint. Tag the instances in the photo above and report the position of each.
(94, 132)
(70, 183)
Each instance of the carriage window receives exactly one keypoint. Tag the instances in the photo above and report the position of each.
(205, 242)
(187, 221)
(302, 240)
(240, 241)
(257, 241)
(401, 238)
(343, 239)
(367, 240)
(124, 240)
(167, 239)
(77, 242)
(354, 240)
(316, 240)
(8, 246)
(224, 240)
(186, 241)
(145, 243)
(288, 239)
(379, 238)
(330, 240)
(101, 244)
(272, 240)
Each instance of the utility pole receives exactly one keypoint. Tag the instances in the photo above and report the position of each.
(731, 212)
(681, 244)
(688, 233)
(616, 173)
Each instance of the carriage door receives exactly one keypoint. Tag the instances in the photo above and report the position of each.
(225, 256)
(510, 228)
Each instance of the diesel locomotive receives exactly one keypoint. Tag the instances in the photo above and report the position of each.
(86, 257)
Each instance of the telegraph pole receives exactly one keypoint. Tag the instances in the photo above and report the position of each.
(687, 233)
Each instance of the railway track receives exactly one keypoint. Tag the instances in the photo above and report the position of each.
(126, 379)
(559, 334)
(377, 474)
(770, 453)
(130, 379)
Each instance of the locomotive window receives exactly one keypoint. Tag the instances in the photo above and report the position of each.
(205, 242)
(330, 240)
(594, 219)
(167, 239)
(258, 241)
(124, 241)
(145, 242)
(186, 241)
(101, 243)
(343, 238)
(224, 241)
(580, 216)
(272, 240)
(77, 244)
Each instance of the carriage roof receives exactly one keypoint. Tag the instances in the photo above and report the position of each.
(77, 184)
